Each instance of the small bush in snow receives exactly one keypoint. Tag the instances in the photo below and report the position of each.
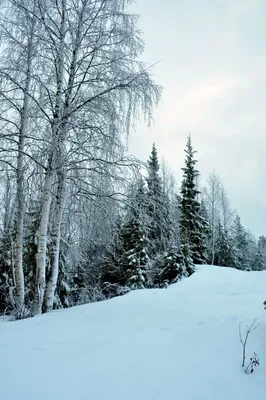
(90, 294)
(254, 361)
(114, 289)
(16, 310)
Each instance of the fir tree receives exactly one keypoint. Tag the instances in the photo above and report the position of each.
(176, 265)
(160, 227)
(136, 256)
(240, 244)
(30, 249)
(186, 259)
(259, 263)
(224, 255)
(192, 222)
(112, 271)
(175, 217)
(262, 244)
(172, 269)
(62, 288)
(135, 240)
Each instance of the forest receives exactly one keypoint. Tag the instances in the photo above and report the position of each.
(81, 219)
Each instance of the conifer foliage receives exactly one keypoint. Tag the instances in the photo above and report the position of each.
(259, 263)
(173, 269)
(176, 265)
(135, 240)
(160, 227)
(240, 242)
(136, 256)
(192, 222)
(224, 255)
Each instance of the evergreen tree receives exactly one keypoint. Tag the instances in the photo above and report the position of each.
(176, 265)
(112, 271)
(205, 229)
(175, 217)
(252, 249)
(186, 259)
(160, 227)
(240, 245)
(259, 263)
(172, 269)
(135, 240)
(30, 249)
(125, 261)
(136, 256)
(262, 244)
(224, 255)
(62, 288)
(192, 222)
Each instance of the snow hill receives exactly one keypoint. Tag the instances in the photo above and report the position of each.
(177, 343)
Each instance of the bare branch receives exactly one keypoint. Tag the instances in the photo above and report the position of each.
(244, 340)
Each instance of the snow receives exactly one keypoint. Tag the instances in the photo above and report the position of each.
(175, 343)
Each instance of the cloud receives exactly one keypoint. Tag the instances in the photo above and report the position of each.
(240, 7)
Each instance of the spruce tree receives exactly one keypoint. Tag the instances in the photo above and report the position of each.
(136, 256)
(186, 259)
(259, 263)
(112, 271)
(63, 290)
(192, 222)
(135, 240)
(224, 255)
(160, 227)
(240, 244)
(172, 268)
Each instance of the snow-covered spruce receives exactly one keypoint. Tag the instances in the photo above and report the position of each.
(176, 265)
(193, 225)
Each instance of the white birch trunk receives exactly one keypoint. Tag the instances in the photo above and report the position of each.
(58, 211)
(42, 245)
(19, 274)
(55, 243)
(213, 243)
(52, 164)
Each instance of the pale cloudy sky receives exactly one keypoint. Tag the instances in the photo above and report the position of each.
(212, 65)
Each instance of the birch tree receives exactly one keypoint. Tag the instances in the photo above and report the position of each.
(17, 62)
(74, 87)
(97, 82)
(227, 214)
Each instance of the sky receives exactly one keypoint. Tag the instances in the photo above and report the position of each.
(210, 58)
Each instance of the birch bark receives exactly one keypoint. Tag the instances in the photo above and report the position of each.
(58, 211)
(50, 173)
(19, 274)
(55, 242)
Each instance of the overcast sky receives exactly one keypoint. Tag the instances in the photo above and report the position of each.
(212, 65)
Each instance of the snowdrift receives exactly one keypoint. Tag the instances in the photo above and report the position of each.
(177, 343)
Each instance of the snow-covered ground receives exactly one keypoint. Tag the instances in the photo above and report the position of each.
(178, 343)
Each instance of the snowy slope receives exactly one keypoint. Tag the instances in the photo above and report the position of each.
(178, 343)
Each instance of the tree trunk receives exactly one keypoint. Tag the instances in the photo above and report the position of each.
(213, 244)
(55, 243)
(19, 274)
(53, 162)
(42, 244)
